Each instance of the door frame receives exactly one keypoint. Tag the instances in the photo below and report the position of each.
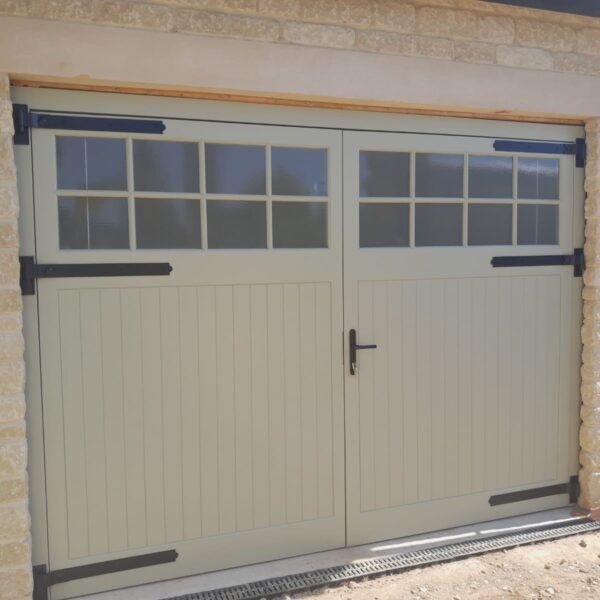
(234, 112)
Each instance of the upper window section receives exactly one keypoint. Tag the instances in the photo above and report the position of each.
(91, 163)
(384, 174)
(160, 166)
(235, 169)
(490, 176)
(298, 171)
(439, 175)
(538, 178)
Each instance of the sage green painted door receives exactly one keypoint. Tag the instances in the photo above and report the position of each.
(473, 387)
(200, 411)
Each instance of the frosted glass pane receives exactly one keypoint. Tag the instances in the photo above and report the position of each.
(384, 174)
(167, 223)
(537, 224)
(160, 166)
(233, 224)
(299, 225)
(93, 223)
(538, 178)
(108, 223)
(490, 177)
(384, 225)
(439, 175)
(232, 169)
(438, 225)
(72, 223)
(90, 163)
(299, 171)
(490, 224)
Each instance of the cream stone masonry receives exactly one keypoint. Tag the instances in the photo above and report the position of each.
(15, 551)
(589, 476)
(467, 31)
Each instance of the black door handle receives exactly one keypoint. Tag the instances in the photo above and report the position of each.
(354, 347)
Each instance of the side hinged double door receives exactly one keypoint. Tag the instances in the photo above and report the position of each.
(200, 411)
(472, 389)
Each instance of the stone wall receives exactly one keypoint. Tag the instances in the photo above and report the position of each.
(468, 31)
(15, 552)
(589, 476)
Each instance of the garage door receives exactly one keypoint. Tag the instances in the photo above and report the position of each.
(468, 394)
(199, 411)
(258, 341)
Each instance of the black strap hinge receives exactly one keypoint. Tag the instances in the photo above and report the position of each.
(576, 148)
(571, 487)
(544, 260)
(24, 120)
(30, 271)
(43, 579)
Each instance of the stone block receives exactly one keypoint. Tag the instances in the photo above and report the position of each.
(447, 23)
(6, 118)
(215, 23)
(589, 496)
(13, 459)
(398, 16)
(14, 523)
(588, 41)
(68, 10)
(524, 58)
(9, 235)
(496, 29)
(9, 267)
(589, 461)
(11, 345)
(590, 393)
(357, 13)
(12, 408)
(11, 322)
(385, 42)
(8, 171)
(475, 52)
(15, 584)
(591, 276)
(14, 8)
(577, 63)
(312, 34)
(590, 293)
(10, 301)
(12, 377)
(14, 490)
(434, 48)
(14, 554)
(140, 15)
(286, 9)
(542, 34)
(9, 200)
(244, 6)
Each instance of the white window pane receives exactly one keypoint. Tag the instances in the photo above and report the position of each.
(438, 224)
(167, 223)
(490, 224)
(93, 223)
(90, 163)
(161, 166)
(537, 224)
(439, 175)
(384, 225)
(299, 225)
(538, 178)
(233, 224)
(234, 169)
(384, 174)
(490, 177)
(299, 171)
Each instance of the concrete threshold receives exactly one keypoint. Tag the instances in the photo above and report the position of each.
(343, 556)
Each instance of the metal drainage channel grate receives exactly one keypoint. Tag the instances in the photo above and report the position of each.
(269, 588)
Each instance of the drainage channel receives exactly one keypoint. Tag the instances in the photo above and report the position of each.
(276, 586)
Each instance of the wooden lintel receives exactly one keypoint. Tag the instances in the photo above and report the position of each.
(291, 100)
